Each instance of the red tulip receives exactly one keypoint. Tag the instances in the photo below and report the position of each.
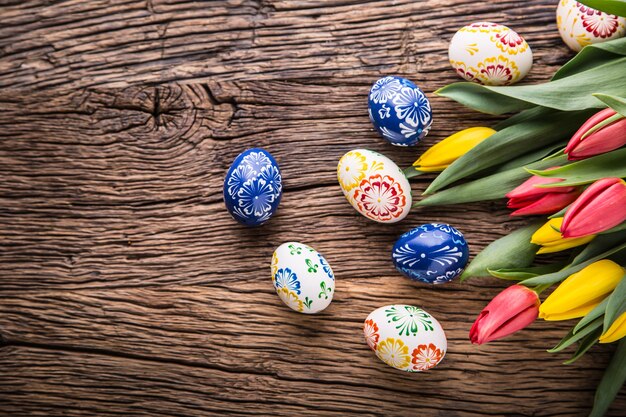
(529, 199)
(599, 208)
(510, 311)
(607, 138)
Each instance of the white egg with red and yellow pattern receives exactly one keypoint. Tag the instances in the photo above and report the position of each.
(490, 54)
(302, 277)
(405, 337)
(581, 25)
(374, 186)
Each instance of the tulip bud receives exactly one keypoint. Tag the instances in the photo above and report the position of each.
(582, 291)
(529, 199)
(550, 239)
(600, 207)
(603, 132)
(616, 331)
(511, 310)
(439, 156)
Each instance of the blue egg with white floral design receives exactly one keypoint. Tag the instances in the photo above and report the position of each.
(253, 187)
(432, 253)
(399, 111)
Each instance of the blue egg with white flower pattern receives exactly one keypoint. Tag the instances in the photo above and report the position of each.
(432, 253)
(253, 187)
(399, 111)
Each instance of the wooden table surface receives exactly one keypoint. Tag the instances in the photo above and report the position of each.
(126, 288)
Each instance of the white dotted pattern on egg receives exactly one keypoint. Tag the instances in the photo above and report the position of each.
(374, 185)
(490, 53)
(302, 278)
(405, 337)
(580, 25)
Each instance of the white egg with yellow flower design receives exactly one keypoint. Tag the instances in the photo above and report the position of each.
(302, 277)
(405, 337)
(490, 53)
(374, 185)
(580, 25)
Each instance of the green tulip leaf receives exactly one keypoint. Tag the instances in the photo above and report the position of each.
(617, 7)
(617, 228)
(598, 311)
(616, 103)
(573, 337)
(599, 245)
(571, 93)
(559, 276)
(611, 382)
(512, 251)
(551, 152)
(540, 131)
(591, 56)
(487, 188)
(519, 274)
(610, 164)
(585, 344)
(616, 305)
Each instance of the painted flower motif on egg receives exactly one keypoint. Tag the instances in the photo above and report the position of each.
(374, 185)
(405, 337)
(253, 187)
(580, 25)
(399, 111)
(303, 279)
(490, 53)
(432, 253)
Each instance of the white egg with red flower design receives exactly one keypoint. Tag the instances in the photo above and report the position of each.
(580, 25)
(490, 53)
(405, 337)
(302, 278)
(374, 186)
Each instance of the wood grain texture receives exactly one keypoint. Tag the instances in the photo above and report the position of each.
(125, 287)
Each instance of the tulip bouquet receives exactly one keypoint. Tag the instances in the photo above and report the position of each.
(562, 156)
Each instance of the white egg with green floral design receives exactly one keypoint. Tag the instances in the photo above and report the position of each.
(405, 337)
(302, 277)
(374, 186)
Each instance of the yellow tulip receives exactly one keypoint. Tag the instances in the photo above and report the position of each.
(616, 331)
(551, 241)
(582, 291)
(439, 156)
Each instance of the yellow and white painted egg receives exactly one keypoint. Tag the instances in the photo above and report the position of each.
(405, 337)
(302, 278)
(490, 53)
(580, 25)
(374, 185)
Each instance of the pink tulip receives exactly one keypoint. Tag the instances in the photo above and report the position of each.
(607, 138)
(599, 208)
(510, 311)
(529, 199)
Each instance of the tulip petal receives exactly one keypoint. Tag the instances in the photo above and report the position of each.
(548, 204)
(451, 148)
(605, 140)
(591, 122)
(529, 187)
(616, 331)
(599, 208)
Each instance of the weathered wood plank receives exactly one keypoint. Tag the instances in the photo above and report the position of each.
(69, 44)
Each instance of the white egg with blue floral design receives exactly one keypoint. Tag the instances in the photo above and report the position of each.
(399, 110)
(374, 186)
(405, 337)
(253, 187)
(302, 277)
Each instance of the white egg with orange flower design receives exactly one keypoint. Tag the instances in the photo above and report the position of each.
(580, 25)
(405, 337)
(374, 186)
(490, 53)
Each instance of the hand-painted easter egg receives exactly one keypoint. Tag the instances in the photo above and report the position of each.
(374, 185)
(580, 25)
(302, 277)
(432, 253)
(399, 110)
(253, 187)
(490, 54)
(405, 337)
